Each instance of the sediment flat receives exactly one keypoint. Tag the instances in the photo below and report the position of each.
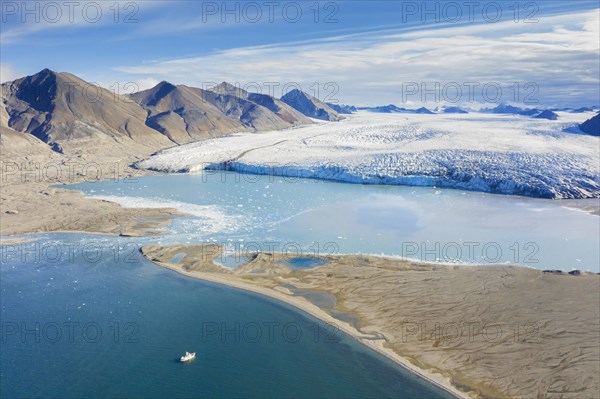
(477, 331)
(30, 202)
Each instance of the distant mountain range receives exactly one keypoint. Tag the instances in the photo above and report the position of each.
(70, 114)
(454, 110)
(547, 114)
(533, 112)
(391, 109)
(342, 108)
(61, 112)
(500, 109)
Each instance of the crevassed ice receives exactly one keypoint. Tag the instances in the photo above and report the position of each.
(492, 153)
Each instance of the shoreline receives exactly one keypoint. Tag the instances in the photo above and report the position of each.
(303, 305)
(56, 207)
(38, 205)
(63, 209)
(408, 312)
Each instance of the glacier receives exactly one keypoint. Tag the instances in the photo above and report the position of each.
(503, 154)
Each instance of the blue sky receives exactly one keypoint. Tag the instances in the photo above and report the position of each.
(360, 52)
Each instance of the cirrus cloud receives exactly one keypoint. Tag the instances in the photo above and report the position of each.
(559, 54)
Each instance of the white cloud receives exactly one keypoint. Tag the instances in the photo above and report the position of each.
(19, 25)
(8, 73)
(143, 84)
(559, 54)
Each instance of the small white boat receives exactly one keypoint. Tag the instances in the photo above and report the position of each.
(188, 357)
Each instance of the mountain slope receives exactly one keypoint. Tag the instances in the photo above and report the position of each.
(385, 109)
(423, 110)
(310, 106)
(454, 110)
(342, 108)
(16, 144)
(591, 126)
(393, 109)
(504, 109)
(71, 115)
(183, 113)
(252, 115)
(547, 114)
(186, 114)
(281, 109)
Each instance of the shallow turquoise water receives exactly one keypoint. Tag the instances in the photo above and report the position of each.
(304, 262)
(178, 258)
(231, 261)
(305, 217)
(92, 318)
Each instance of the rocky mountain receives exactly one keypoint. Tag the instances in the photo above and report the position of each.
(547, 114)
(280, 108)
(454, 110)
(342, 108)
(591, 126)
(310, 106)
(582, 110)
(385, 109)
(532, 112)
(70, 115)
(512, 110)
(67, 114)
(289, 115)
(393, 109)
(423, 110)
(230, 90)
(184, 114)
(13, 143)
(251, 115)
(504, 109)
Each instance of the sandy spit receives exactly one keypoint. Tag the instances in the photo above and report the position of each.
(520, 332)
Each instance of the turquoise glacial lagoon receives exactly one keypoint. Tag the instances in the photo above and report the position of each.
(306, 217)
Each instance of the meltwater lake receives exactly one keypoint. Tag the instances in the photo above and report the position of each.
(252, 212)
